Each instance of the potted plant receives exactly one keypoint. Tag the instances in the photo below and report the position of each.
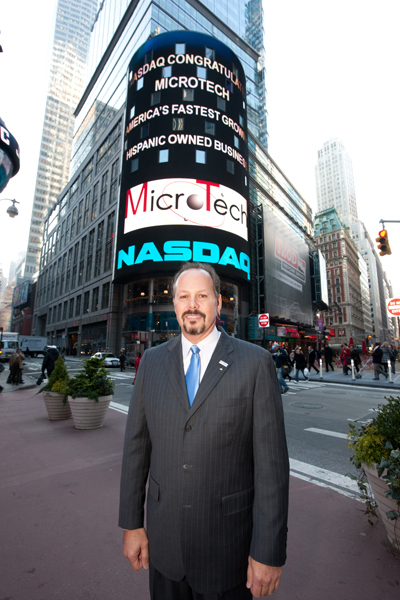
(89, 394)
(376, 447)
(54, 393)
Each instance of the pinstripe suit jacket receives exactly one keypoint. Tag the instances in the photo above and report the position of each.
(218, 471)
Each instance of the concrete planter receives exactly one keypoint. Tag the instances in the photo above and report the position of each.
(56, 410)
(379, 487)
(89, 414)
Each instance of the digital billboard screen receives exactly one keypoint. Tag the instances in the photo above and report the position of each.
(184, 182)
(287, 271)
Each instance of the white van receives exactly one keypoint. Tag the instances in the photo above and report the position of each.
(8, 344)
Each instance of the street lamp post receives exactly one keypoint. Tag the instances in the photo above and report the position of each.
(12, 210)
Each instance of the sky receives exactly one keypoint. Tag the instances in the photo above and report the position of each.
(332, 72)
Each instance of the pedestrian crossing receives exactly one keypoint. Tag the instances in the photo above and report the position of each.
(295, 388)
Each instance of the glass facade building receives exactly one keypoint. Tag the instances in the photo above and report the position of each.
(77, 302)
(66, 84)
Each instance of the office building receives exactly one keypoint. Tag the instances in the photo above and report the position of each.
(345, 298)
(335, 181)
(66, 84)
(77, 300)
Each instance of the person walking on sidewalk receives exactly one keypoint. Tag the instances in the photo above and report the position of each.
(16, 366)
(281, 360)
(122, 359)
(377, 362)
(216, 518)
(345, 357)
(49, 360)
(386, 356)
(393, 358)
(300, 364)
(355, 355)
(328, 354)
(311, 359)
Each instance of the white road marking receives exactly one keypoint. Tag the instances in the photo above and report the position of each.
(119, 407)
(324, 478)
(327, 432)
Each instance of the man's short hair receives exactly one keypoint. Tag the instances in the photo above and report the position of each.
(201, 267)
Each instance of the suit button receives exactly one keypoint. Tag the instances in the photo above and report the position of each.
(186, 467)
(188, 428)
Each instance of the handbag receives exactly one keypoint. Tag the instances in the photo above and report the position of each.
(40, 379)
(306, 372)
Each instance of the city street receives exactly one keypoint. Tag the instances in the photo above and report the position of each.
(317, 416)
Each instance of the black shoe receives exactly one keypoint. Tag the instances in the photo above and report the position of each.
(375, 379)
(1, 388)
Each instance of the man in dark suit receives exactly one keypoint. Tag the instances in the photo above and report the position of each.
(213, 449)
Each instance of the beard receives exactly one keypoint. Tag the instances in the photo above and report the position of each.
(195, 328)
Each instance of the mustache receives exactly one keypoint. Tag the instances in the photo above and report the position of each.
(193, 312)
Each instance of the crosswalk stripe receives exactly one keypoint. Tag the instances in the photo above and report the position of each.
(327, 432)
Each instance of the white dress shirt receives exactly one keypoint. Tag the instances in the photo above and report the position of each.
(207, 347)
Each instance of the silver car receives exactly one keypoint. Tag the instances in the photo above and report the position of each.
(110, 360)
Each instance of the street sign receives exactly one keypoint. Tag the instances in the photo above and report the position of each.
(263, 320)
(393, 307)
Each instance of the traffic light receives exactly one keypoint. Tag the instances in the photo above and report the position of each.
(383, 243)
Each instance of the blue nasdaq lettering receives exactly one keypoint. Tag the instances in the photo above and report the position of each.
(176, 250)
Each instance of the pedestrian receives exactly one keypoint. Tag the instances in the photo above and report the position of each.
(328, 354)
(2, 368)
(311, 359)
(137, 362)
(393, 359)
(281, 361)
(16, 366)
(345, 358)
(122, 359)
(386, 356)
(49, 360)
(355, 355)
(300, 364)
(216, 460)
(377, 362)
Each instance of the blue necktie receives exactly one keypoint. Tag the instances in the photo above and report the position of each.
(193, 374)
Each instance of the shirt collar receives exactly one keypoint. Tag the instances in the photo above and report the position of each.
(210, 341)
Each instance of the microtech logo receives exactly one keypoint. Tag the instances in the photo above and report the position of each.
(185, 202)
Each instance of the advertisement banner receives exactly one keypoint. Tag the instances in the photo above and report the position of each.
(184, 182)
(20, 294)
(287, 271)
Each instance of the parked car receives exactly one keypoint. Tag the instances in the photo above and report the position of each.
(110, 360)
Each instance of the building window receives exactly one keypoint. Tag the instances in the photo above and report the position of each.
(187, 95)
(201, 157)
(180, 48)
(139, 84)
(78, 306)
(86, 303)
(221, 104)
(167, 71)
(144, 131)
(109, 242)
(82, 260)
(90, 255)
(114, 183)
(209, 128)
(178, 124)
(230, 166)
(105, 295)
(103, 193)
(95, 299)
(210, 53)
(134, 165)
(86, 213)
(65, 310)
(155, 98)
(202, 72)
(80, 215)
(71, 308)
(94, 208)
(163, 156)
(99, 248)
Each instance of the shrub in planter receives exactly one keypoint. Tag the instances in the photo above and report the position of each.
(54, 393)
(376, 445)
(92, 381)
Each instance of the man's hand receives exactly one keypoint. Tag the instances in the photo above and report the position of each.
(136, 548)
(262, 580)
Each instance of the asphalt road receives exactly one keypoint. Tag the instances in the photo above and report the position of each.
(317, 417)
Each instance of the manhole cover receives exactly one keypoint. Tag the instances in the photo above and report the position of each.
(306, 405)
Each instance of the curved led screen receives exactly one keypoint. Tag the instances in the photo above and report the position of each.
(184, 183)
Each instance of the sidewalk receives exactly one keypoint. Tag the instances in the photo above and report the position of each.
(59, 491)
(337, 376)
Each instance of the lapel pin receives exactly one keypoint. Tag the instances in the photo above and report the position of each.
(224, 364)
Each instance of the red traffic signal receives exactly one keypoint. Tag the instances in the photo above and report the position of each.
(383, 243)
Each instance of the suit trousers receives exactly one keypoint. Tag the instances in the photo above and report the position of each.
(162, 588)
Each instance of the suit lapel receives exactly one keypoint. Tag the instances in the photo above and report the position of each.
(221, 361)
(174, 365)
